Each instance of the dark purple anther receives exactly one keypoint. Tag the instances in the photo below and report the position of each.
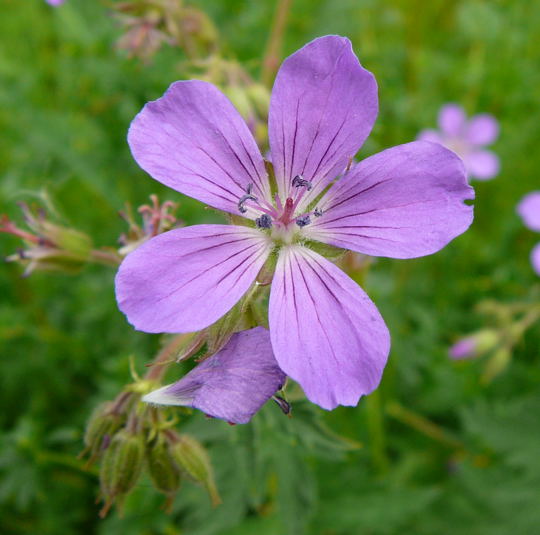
(303, 220)
(265, 221)
(299, 181)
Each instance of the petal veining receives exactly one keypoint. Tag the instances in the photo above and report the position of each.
(186, 279)
(404, 202)
(193, 140)
(326, 332)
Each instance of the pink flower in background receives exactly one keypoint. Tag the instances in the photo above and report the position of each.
(54, 2)
(405, 202)
(231, 385)
(529, 210)
(468, 139)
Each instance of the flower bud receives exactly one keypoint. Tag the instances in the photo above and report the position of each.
(239, 98)
(260, 98)
(475, 344)
(163, 470)
(100, 427)
(121, 466)
(193, 460)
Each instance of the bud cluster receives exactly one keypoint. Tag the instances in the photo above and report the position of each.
(50, 246)
(148, 24)
(129, 438)
(510, 322)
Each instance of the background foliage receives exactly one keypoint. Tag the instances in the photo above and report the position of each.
(434, 450)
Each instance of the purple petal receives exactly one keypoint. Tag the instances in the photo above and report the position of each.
(482, 129)
(233, 384)
(323, 107)
(404, 202)
(535, 258)
(481, 164)
(193, 140)
(433, 136)
(186, 279)
(452, 120)
(54, 2)
(326, 332)
(529, 210)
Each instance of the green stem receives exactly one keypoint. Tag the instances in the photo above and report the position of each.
(375, 421)
(422, 425)
(272, 55)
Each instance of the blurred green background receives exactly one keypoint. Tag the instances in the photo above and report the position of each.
(66, 100)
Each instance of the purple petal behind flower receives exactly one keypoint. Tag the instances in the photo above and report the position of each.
(54, 2)
(535, 258)
(482, 129)
(481, 164)
(452, 120)
(529, 210)
(231, 385)
(433, 136)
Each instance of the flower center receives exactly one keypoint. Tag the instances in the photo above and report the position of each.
(281, 217)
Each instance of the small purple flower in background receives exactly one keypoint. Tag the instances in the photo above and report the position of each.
(54, 2)
(475, 344)
(467, 138)
(529, 210)
(233, 384)
(405, 202)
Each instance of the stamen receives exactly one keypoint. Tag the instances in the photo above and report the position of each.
(303, 220)
(318, 212)
(247, 197)
(265, 221)
(285, 406)
(299, 181)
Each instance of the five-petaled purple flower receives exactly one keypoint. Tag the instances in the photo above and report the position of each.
(529, 210)
(405, 202)
(233, 384)
(467, 138)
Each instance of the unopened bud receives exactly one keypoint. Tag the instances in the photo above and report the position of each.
(121, 466)
(193, 459)
(102, 425)
(239, 98)
(260, 97)
(475, 344)
(162, 467)
(67, 239)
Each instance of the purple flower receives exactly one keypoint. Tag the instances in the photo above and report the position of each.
(404, 202)
(54, 2)
(529, 210)
(233, 384)
(467, 138)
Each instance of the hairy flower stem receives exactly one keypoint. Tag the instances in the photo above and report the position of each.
(272, 55)
(164, 358)
(107, 258)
